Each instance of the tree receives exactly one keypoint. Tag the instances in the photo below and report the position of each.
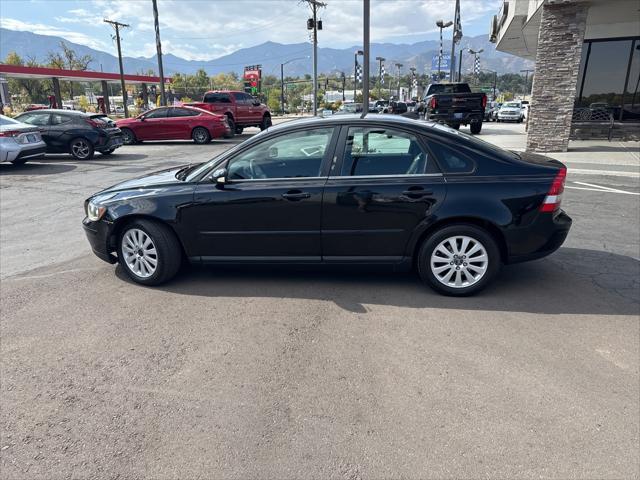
(226, 81)
(32, 91)
(68, 59)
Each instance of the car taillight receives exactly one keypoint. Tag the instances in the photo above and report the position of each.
(552, 201)
(484, 101)
(9, 133)
(434, 102)
(92, 123)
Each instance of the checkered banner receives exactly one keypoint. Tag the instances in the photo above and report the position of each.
(414, 83)
(476, 66)
(358, 73)
(382, 74)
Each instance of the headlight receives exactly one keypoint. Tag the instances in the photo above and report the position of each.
(95, 212)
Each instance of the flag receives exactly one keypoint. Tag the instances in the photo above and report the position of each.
(457, 26)
(358, 73)
(382, 74)
(476, 65)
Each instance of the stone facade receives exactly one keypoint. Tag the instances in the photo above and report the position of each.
(553, 93)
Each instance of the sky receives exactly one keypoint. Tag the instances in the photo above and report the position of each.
(207, 29)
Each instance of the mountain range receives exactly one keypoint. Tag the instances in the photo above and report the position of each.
(270, 55)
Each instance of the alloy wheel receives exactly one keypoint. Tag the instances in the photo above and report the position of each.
(200, 135)
(459, 261)
(80, 149)
(140, 253)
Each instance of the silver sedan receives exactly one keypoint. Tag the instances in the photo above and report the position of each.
(19, 141)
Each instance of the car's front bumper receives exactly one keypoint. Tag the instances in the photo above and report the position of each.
(99, 236)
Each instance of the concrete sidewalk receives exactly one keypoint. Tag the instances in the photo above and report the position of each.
(585, 157)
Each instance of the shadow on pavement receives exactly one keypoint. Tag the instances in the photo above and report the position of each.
(573, 280)
(39, 168)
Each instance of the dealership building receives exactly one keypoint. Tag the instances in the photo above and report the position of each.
(587, 66)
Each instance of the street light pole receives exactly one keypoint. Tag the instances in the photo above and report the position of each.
(476, 64)
(365, 57)
(413, 75)
(398, 66)
(460, 65)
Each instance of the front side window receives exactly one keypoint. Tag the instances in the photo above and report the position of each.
(384, 151)
(38, 119)
(157, 113)
(294, 155)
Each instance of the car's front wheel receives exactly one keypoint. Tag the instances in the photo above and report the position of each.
(81, 148)
(149, 252)
(266, 122)
(459, 260)
(475, 127)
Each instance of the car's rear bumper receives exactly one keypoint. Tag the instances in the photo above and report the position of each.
(20, 151)
(455, 117)
(542, 238)
(99, 235)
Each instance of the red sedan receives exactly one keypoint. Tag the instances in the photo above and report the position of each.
(174, 123)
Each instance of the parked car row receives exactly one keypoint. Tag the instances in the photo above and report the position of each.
(224, 114)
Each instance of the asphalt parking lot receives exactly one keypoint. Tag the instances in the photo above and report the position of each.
(282, 373)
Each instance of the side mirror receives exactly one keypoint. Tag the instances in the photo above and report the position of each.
(219, 176)
(256, 103)
(141, 118)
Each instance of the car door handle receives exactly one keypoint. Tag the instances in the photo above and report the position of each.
(417, 192)
(296, 195)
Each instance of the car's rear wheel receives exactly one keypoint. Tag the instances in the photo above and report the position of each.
(266, 122)
(81, 148)
(239, 130)
(455, 126)
(149, 252)
(201, 135)
(459, 260)
(128, 137)
(232, 127)
(476, 127)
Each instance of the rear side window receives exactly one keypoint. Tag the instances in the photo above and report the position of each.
(384, 151)
(58, 119)
(183, 112)
(451, 161)
(217, 98)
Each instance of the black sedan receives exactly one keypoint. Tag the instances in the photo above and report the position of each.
(345, 190)
(77, 133)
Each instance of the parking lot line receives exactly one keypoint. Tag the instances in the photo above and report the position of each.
(599, 188)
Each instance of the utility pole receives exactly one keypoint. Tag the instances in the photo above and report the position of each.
(117, 26)
(314, 4)
(365, 58)
(380, 79)
(413, 76)
(163, 100)
(526, 81)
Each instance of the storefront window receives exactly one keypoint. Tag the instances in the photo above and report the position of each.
(604, 72)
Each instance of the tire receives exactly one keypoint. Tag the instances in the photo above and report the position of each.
(128, 137)
(239, 130)
(476, 127)
(108, 152)
(462, 235)
(168, 253)
(455, 126)
(81, 148)
(201, 135)
(232, 126)
(20, 161)
(266, 122)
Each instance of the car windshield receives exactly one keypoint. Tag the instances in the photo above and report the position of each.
(512, 105)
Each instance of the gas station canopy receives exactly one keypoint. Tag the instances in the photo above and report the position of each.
(77, 75)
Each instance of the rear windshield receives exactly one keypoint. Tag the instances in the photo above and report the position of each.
(471, 141)
(217, 98)
(449, 88)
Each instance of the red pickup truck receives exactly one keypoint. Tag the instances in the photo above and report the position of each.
(242, 110)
